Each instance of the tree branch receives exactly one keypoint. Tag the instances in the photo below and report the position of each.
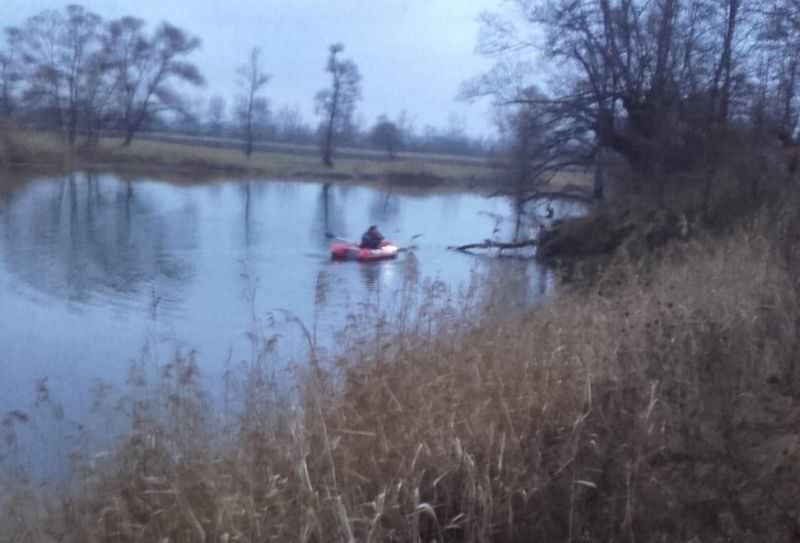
(491, 244)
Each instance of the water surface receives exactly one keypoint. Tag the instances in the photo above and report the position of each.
(96, 271)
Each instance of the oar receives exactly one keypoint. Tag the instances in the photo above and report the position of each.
(411, 245)
(337, 238)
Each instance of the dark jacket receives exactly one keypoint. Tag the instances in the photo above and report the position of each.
(371, 239)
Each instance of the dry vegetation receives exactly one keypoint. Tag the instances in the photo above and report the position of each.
(659, 403)
(24, 148)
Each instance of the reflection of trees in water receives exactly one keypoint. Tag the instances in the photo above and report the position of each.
(247, 213)
(80, 236)
(329, 215)
(383, 207)
(251, 194)
(11, 183)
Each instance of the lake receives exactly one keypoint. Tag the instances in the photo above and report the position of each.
(97, 270)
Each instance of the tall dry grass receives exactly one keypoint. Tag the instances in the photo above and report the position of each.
(658, 404)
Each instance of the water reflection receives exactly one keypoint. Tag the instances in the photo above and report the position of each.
(383, 207)
(371, 273)
(81, 236)
(247, 197)
(94, 267)
(330, 221)
(108, 264)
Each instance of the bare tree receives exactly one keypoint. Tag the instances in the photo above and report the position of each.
(216, 115)
(290, 126)
(252, 79)
(102, 88)
(71, 72)
(779, 38)
(405, 124)
(146, 69)
(188, 119)
(81, 64)
(386, 135)
(60, 54)
(337, 103)
(10, 75)
(721, 87)
(655, 83)
(41, 64)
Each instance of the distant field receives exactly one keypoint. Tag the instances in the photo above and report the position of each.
(289, 163)
(198, 159)
(304, 149)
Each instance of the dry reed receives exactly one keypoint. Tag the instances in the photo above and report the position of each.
(659, 403)
(653, 406)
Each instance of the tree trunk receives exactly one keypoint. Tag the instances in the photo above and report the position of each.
(327, 157)
(129, 133)
(788, 117)
(327, 151)
(599, 181)
(248, 142)
(726, 62)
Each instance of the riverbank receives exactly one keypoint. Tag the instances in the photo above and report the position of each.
(204, 162)
(179, 160)
(658, 403)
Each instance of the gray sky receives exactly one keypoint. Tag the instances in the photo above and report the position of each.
(413, 54)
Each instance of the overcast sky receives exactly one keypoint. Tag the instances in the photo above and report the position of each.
(413, 54)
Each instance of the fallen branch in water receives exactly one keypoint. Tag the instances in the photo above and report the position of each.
(490, 244)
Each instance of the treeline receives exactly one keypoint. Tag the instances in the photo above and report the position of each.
(77, 74)
(667, 85)
(72, 72)
(218, 118)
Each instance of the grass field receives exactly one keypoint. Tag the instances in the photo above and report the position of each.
(24, 148)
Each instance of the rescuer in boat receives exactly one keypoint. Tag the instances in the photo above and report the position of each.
(371, 239)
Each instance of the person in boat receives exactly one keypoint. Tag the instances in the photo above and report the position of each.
(372, 238)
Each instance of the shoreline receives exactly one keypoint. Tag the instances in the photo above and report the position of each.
(194, 163)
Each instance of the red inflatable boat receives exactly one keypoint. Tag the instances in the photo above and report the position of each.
(349, 251)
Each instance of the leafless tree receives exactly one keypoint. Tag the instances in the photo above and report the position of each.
(10, 75)
(385, 135)
(337, 103)
(82, 64)
(290, 126)
(69, 71)
(41, 64)
(146, 68)
(405, 124)
(721, 87)
(252, 79)
(657, 83)
(779, 38)
(216, 115)
(60, 55)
